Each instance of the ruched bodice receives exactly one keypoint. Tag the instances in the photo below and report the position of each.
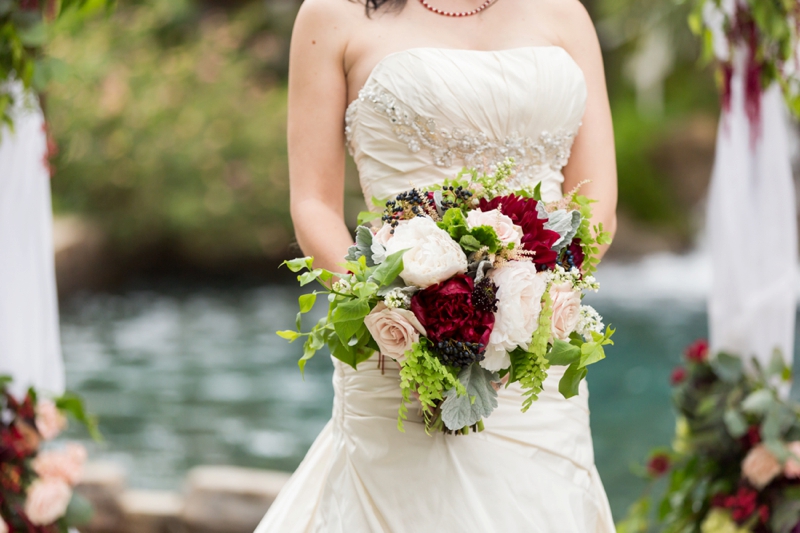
(422, 116)
(426, 113)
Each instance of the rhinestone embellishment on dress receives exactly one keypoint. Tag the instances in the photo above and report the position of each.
(473, 149)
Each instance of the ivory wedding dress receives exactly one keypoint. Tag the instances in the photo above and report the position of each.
(422, 116)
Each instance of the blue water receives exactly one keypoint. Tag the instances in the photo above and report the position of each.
(189, 375)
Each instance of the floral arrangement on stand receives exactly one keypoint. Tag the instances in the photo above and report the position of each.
(766, 34)
(24, 30)
(37, 478)
(734, 466)
(464, 284)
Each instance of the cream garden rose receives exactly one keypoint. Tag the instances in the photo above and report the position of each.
(66, 464)
(506, 230)
(49, 420)
(760, 467)
(47, 501)
(566, 310)
(395, 330)
(519, 304)
(431, 256)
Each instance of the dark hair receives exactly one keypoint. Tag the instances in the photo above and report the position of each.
(374, 5)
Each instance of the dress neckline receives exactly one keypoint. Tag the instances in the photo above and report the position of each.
(385, 59)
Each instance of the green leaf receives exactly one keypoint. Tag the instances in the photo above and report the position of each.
(727, 367)
(485, 236)
(365, 217)
(313, 344)
(296, 265)
(289, 335)
(73, 405)
(348, 317)
(591, 352)
(307, 301)
(563, 353)
(79, 512)
(758, 402)
(388, 271)
(34, 37)
(454, 223)
(537, 192)
(571, 380)
(480, 400)
(735, 422)
(470, 243)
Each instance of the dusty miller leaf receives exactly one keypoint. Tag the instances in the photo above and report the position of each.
(362, 247)
(479, 401)
(566, 224)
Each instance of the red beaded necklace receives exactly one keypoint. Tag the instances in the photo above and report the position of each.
(475, 11)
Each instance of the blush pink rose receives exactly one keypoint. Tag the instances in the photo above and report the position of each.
(792, 467)
(66, 464)
(506, 230)
(383, 235)
(47, 501)
(760, 467)
(566, 310)
(3, 526)
(49, 420)
(395, 330)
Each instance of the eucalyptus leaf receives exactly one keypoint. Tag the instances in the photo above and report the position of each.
(727, 367)
(735, 422)
(459, 411)
(758, 402)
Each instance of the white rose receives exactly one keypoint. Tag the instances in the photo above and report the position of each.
(431, 256)
(519, 302)
(47, 501)
(506, 230)
(566, 310)
(395, 330)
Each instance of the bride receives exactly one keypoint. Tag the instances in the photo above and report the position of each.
(417, 90)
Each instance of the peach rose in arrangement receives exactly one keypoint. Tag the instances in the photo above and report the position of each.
(760, 467)
(49, 420)
(506, 230)
(66, 464)
(47, 501)
(566, 310)
(792, 467)
(395, 330)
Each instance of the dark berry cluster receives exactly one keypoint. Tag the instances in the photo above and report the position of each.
(567, 259)
(406, 205)
(459, 354)
(459, 195)
(484, 296)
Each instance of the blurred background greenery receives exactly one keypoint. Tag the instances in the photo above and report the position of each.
(170, 120)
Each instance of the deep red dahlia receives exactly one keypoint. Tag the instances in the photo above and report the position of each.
(446, 311)
(742, 504)
(576, 250)
(697, 352)
(522, 211)
(753, 437)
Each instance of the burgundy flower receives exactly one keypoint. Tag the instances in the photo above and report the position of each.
(764, 513)
(697, 352)
(446, 311)
(753, 437)
(29, 5)
(576, 250)
(742, 504)
(678, 375)
(658, 465)
(535, 237)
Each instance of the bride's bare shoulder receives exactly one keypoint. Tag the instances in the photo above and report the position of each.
(329, 15)
(568, 20)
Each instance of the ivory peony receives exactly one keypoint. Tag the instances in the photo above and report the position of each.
(49, 420)
(519, 303)
(506, 230)
(47, 501)
(383, 235)
(395, 330)
(760, 467)
(66, 464)
(792, 467)
(566, 310)
(431, 256)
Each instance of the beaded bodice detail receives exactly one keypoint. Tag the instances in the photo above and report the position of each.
(424, 114)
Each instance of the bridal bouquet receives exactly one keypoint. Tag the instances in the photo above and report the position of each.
(464, 284)
(734, 466)
(36, 484)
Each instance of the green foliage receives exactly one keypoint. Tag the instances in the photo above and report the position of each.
(422, 373)
(73, 405)
(25, 28)
(471, 240)
(172, 130)
(590, 238)
(464, 410)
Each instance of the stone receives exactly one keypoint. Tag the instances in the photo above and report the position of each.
(147, 511)
(223, 499)
(102, 484)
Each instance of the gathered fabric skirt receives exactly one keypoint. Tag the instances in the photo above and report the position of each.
(526, 472)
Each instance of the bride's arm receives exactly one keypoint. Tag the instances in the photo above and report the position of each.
(315, 129)
(593, 156)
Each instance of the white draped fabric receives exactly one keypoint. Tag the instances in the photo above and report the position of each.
(752, 232)
(29, 337)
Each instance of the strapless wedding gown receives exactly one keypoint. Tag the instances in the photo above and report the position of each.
(422, 116)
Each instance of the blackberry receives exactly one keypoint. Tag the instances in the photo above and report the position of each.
(484, 296)
(459, 354)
